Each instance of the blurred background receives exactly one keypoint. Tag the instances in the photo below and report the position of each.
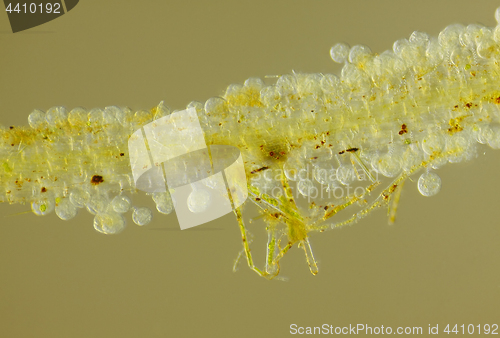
(437, 265)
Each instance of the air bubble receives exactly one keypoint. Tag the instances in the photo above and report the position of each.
(429, 184)
(142, 216)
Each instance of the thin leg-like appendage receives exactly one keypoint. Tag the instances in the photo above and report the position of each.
(393, 204)
(241, 253)
(246, 245)
(313, 266)
(272, 267)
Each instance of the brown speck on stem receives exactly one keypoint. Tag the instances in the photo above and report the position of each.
(257, 170)
(96, 179)
(403, 130)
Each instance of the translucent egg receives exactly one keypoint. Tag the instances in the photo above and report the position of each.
(287, 84)
(37, 119)
(162, 110)
(193, 104)
(79, 197)
(142, 117)
(389, 165)
(306, 187)
(254, 83)
(429, 184)
(97, 204)
(65, 210)
(124, 117)
(96, 117)
(325, 173)
(215, 105)
(293, 167)
(121, 204)
(409, 159)
(109, 223)
(345, 174)
(164, 203)
(330, 84)
(359, 53)
(109, 119)
(198, 200)
(56, 116)
(270, 96)
(449, 38)
(233, 90)
(340, 52)
(42, 207)
(399, 46)
(457, 146)
(432, 143)
(142, 216)
(419, 38)
(78, 116)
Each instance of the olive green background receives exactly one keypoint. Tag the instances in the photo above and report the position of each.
(438, 264)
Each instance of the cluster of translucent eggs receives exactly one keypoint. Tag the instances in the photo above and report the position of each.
(429, 100)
